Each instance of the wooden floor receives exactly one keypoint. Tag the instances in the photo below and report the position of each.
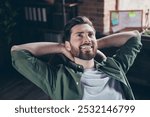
(14, 86)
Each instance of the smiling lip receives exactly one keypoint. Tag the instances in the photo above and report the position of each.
(87, 47)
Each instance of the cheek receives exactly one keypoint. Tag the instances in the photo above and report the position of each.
(74, 47)
(94, 42)
(75, 40)
(75, 44)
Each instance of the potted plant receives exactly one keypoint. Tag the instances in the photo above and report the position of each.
(7, 25)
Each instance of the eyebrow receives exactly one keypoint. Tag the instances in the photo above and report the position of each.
(79, 32)
(83, 32)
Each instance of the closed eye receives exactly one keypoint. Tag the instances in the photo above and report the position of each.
(90, 34)
(80, 34)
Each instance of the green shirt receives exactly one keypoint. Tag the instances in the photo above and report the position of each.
(62, 82)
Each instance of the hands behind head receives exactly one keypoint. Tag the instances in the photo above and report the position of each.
(67, 54)
(101, 55)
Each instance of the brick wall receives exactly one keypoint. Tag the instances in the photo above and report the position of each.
(94, 10)
(98, 11)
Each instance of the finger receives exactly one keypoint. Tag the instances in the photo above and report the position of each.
(101, 54)
(69, 55)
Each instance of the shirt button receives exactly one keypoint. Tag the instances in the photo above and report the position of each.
(77, 83)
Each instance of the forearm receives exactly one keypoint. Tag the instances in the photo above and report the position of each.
(116, 40)
(40, 48)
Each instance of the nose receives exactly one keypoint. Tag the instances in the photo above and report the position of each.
(87, 39)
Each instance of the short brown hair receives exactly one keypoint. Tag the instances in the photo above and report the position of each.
(75, 21)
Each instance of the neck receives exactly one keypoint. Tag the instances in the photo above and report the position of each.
(87, 64)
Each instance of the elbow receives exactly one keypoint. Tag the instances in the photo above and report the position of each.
(13, 52)
(14, 48)
(17, 48)
(137, 34)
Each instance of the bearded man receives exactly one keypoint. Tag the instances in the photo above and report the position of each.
(81, 77)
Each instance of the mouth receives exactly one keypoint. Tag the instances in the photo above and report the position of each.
(86, 47)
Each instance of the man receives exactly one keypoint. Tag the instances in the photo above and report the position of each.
(81, 77)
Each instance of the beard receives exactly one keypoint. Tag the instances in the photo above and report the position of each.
(85, 52)
(86, 55)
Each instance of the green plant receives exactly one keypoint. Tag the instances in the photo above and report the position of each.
(7, 21)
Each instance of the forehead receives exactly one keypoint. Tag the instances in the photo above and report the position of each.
(82, 28)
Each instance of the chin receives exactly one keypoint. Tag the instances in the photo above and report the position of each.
(87, 57)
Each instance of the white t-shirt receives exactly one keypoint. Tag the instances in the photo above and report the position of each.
(99, 86)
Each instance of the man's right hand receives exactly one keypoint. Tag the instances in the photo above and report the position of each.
(67, 54)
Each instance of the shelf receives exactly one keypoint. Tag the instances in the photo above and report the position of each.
(44, 18)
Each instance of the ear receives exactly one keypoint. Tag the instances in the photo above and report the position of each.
(67, 45)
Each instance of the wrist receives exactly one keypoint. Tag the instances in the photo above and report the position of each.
(61, 48)
(100, 44)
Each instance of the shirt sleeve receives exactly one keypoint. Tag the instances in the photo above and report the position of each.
(126, 55)
(33, 69)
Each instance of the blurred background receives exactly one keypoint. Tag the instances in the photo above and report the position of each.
(43, 20)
